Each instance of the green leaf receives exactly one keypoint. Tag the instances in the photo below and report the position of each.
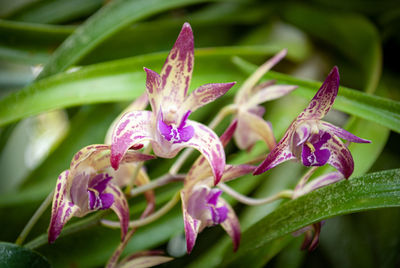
(108, 20)
(371, 191)
(13, 256)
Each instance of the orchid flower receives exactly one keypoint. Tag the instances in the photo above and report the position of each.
(313, 141)
(85, 187)
(203, 205)
(251, 125)
(167, 127)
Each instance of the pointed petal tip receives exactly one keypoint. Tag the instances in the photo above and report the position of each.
(334, 74)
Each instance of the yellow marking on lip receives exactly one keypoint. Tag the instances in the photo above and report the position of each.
(312, 148)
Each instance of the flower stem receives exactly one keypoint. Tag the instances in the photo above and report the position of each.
(227, 110)
(139, 165)
(28, 227)
(253, 201)
(69, 229)
(141, 222)
(303, 181)
(163, 180)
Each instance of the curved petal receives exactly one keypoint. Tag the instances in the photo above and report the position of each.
(120, 207)
(278, 155)
(205, 94)
(245, 90)
(191, 226)
(341, 133)
(235, 171)
(153, 87)
(210, 146)
(252, 128)
(178, 67)
(269, 93)
(340, 157)
(231, 225)
(62, 210)
(132, 129)
(324, 98)
(317, 183)
(139, 104)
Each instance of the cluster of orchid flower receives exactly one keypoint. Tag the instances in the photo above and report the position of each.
(98, 172)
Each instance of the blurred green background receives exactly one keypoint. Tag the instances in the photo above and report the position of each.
(88, 57)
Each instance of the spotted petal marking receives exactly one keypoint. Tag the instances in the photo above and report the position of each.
(324, 98)
(62, 210)
(132, 129)
(191, 225)
(341, 133)
(177, 70)
(209, 145)
(231, 225)
(153, 87)
(252, 128)
(205, 94)
(120, 207)
(278, 155)
(340, 157)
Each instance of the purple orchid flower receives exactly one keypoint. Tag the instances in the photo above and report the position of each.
(167, 127)
(85, 187)
(313, 141)
(251, 125)
(203, 205)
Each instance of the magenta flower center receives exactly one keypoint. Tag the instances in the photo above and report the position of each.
(176, 134)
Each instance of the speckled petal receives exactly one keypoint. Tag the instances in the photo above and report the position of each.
(62, 209)
(178, 67)
(205, 94)
(341, 133)
(235, 171)
(120, 207)
(319, 182)
(324, 98)
(269, 93)
(231, 225)
(210, 146)
(139, 104)
(132, 129)
(252, 128)
(153, 87)
(191, 225)
(278, 155)
(340, 157)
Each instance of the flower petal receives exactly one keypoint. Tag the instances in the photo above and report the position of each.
(205, 94)
(244, 92)
(252, 128)
(234, 171)
(132, 129)
(231, 225)
(278, 155)
(139, 104)
(177, 70)
(191, 225)
(144, 261)
(341, 133)
(324, 98)
(153, 87)
(315, 154)
(120, 207)
(62, 210)
(210, 146)
(269, 93)
(340, 157)
(317, 183)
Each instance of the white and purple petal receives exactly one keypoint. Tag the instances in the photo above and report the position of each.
(341, 133)
(177, 70)
(317, 183)
(281, 153)
(205, 94)
(133, 129)
(269, 93)
(153, 87)
(120, 207)
(231, 225)
(191, 225)
(340, 157)
(324, 98)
